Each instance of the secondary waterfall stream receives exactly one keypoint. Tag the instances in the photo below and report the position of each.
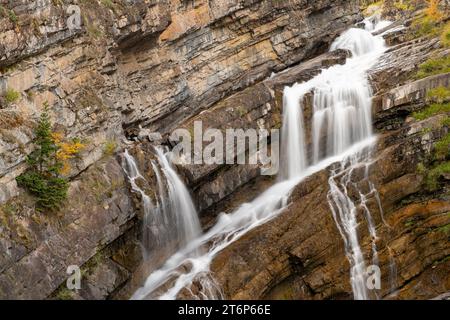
(341, 135)
(172, 217)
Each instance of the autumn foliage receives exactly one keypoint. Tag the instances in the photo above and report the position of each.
(48, 164)
(433, 11)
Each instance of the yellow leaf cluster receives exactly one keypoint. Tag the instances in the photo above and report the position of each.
(433, 11)
(57, 137)
(67, 150)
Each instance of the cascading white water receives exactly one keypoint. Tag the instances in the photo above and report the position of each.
(345, 213)
(392, 273)
(293, 141)
(131, 169)
(341, 118)
(375, 23)
(173, 219)
(351, 121)
(178, 206)
(342, 102)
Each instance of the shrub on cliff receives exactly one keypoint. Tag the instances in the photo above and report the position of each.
(43, 178)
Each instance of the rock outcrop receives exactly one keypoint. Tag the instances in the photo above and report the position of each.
(36, 249)
(134, 68)
(300, 253)
(131, 64)
(149, 64)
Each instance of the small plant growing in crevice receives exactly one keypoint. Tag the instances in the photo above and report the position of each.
(432, 110)
(3, 11)
(428, 24)
(432, 11)
(421, 169)
(445, 36)
(64, 294)
(438, 95)
(446, 121)
(440, 166)
(13, 17)
(66, 150)
(403, 5)
(92, 29)
(109, 148)
(442, 148)
(44, 177)
(435, 173)
(109, 4)
(434, 66)
(10, 96)
(57, 3)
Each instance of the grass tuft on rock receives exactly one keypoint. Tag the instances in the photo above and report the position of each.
(446, 122)
(439, 95)
(445, 36)
(109, 148)
(433, 67)
(11, 96)
(435, 108)
(442, 148)
(425, 27)
(432, 179)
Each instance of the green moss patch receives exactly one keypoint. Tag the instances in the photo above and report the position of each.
(432, 179)
(439, 95)
(433, 67)
(432, 110)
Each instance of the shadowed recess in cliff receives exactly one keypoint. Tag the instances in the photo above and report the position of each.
(342, 106)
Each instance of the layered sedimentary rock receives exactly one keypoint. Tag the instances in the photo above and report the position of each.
(150, 64)
(130, 65)
(37, 248)
(256, 107)
(136, 66)
(300, 254)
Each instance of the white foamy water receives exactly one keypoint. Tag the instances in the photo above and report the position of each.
(375, 23)
(341, 133)
(173, 217)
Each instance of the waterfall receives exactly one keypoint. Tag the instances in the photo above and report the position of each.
(375, 23)
(131, 169)
(293, 141)
(341, 133)
(178, 207)
(172, 220)
(392, 273)
(345, 214)
(348, 113)
(342, 119)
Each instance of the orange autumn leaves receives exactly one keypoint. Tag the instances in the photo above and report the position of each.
(433, 11)
(66, 150)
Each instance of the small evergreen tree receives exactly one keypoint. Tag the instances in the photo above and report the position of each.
(43, 178)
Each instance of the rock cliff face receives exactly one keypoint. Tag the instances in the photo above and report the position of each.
(165, 64)
(298, 254)
(131, 64)
(145, 64)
